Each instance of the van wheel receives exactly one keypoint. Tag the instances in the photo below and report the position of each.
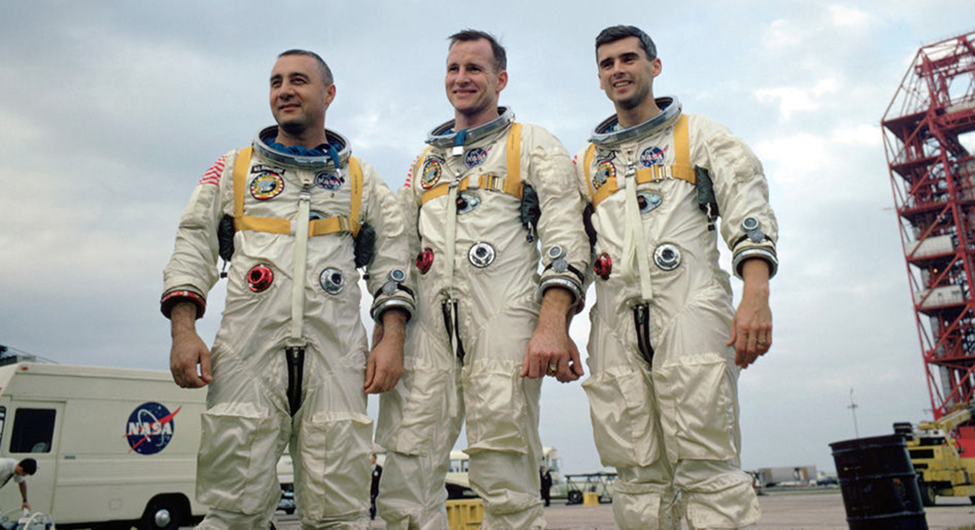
(162, 514)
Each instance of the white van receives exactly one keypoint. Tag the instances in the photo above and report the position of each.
(111, 444)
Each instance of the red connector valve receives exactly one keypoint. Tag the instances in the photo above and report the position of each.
(603, 266)
(260, 278)
(424, 260)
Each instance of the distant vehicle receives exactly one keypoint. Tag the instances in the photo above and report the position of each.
(459, 486)
(599, 483)
(112, 445)
(942, 465)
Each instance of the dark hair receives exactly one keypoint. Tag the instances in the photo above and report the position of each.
(322, 66)
(615, 33)
(468, 35)
(29, 465)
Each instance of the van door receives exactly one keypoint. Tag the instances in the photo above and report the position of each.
(31, 429)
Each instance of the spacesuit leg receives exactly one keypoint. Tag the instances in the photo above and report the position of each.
(715, 492)
(626, 428)
(419, 422)
(503, 442)
(244, 434)
(332, 446)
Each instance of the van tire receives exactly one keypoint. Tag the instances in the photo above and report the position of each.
(156, 507)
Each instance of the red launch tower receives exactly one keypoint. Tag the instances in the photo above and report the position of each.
(932, 174)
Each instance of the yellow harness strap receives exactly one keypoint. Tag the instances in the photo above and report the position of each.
(276, 225)
(511, 184)
(681, 169)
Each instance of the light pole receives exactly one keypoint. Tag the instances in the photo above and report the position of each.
(853, 408)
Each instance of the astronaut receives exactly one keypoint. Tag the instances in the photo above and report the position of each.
(290, 366)
(666, 344)
(488, 325)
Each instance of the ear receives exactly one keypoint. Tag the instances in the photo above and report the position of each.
(502, 80)
(330, 94)
(656, 67)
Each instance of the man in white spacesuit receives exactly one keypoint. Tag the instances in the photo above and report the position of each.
(290, 364)
(666, 344)
(488, 326)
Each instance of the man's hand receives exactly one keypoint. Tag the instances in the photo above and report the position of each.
(751, 329)
(385, 363)
(188, 351)
(25, 505)
(551, 351)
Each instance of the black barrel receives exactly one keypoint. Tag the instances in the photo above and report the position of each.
(879, 485)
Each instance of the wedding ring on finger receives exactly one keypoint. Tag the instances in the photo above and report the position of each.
(552, 369)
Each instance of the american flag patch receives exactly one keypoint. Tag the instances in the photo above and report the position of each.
(409, 173)
(212, 176)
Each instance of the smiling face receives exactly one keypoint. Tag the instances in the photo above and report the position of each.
(299, 98)
(473, 83)
(626, 75)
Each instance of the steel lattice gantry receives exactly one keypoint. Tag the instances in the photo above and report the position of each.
(932, 175)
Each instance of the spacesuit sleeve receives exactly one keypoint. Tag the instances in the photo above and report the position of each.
(560, 228)
(389, 273)
(192, 268)
(583, 184)
(748, 223)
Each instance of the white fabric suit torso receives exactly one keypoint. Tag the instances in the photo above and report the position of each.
(497, 308)
(248, 420)
(667, 416)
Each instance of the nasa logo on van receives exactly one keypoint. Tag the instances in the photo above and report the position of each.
(150, 428)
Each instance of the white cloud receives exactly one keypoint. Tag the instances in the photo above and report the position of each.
(795, 99)
(863, 134)
(849, 17)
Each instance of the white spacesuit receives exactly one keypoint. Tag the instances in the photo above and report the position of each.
(663, 383)
(478, 295)
(289, 358)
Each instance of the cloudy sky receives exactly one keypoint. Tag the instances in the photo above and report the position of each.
(111, 111)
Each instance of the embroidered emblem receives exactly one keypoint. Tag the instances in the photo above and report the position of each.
(266, 186)
(604, 171)
(329, 181)
(476, 157)
(431, 173)
(653, 156)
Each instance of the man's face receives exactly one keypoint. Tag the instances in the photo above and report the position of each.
(625, 72)
(299, 96)
(473, 82)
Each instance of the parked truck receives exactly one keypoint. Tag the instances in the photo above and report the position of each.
(111, 444)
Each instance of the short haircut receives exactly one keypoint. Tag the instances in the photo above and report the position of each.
(29, 465)
(322, 66)
(469, 35)
(615, 33)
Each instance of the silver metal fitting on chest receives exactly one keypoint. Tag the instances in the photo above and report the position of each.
(481, 255)
(332, 281)
(667, 257)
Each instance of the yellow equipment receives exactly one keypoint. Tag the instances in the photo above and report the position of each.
(940, 463)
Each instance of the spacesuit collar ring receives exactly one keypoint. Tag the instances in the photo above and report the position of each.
(444, 135)
(326, 161)
(608, 132)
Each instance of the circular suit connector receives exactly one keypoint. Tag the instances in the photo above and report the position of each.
(667, 257)
(481, 255)
(332, 281)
